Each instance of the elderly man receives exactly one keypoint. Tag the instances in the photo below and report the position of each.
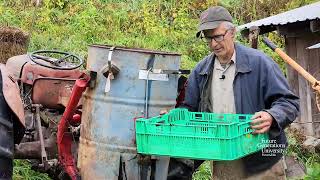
(237, 79)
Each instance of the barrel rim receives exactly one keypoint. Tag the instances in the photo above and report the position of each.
(141, 50)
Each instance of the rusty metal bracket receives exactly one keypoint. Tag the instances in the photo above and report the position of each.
(93, 79)
(253, 36)
(110, 69)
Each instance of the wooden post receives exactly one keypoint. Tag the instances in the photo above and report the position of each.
(253, 36)
(304, 88)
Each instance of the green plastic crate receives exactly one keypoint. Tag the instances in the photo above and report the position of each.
(195, 135)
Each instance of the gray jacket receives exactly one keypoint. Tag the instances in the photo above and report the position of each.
(258, 85)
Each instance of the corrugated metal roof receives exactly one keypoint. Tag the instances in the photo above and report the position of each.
(308, 12)
(314, 46)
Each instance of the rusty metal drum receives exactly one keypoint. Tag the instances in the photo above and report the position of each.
(146, 83)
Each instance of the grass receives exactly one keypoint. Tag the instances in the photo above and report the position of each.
(309, 159)
(22, 171)
(203, 173)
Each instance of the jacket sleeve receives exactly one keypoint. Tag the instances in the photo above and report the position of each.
(281, 103)
(192, 93)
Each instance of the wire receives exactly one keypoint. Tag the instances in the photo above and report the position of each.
(307, 122)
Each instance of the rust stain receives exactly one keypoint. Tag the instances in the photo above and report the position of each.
(52, 92)
(37, 71)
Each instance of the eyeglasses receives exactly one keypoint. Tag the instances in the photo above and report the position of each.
(217, 38)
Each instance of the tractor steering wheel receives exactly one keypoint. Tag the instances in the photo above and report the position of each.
(56, 59)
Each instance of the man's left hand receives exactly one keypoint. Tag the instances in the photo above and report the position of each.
(261, 122)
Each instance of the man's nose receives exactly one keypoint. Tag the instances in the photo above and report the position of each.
(213, 43)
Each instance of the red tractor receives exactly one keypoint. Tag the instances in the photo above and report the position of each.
(51, 86)
(46, 79)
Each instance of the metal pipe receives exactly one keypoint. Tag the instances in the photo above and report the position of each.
(147, 95)
(64, 138)
(43, 150)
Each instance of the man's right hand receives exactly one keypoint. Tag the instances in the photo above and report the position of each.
(163, 111)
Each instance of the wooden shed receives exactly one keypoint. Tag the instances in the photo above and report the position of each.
(301, 28)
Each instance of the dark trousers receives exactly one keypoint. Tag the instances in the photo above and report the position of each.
(5, 168)
(6, 138)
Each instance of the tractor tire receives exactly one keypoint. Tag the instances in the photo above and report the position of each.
(6, 138)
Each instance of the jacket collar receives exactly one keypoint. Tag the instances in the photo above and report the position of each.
(209, 62)
(242, 63)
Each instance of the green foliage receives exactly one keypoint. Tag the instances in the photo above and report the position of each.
(250, 10)
(313, 168)
(157, 24)
(55, 3)
(203, 173)
(73, 25)
(22, 171)
(309, 159)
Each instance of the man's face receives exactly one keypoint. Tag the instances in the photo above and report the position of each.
(220, 40)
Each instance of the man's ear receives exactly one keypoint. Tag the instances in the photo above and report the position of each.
(233, 32)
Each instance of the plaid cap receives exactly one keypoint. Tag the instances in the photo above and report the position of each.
(212, 18)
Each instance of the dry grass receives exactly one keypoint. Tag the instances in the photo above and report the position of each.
(13, 42)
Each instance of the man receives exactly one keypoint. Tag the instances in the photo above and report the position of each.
(11, 122)
(237, 79)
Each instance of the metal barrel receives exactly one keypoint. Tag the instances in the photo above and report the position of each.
(107, 147)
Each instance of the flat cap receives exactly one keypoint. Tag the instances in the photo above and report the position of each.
(212, 18)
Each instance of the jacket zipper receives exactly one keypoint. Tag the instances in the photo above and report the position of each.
(204, 84)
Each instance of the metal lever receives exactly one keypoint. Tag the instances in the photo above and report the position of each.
(109, 68)
(109, 71)
(180, 71)
(43, 150)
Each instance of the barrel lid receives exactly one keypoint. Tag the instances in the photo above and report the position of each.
(140, 50)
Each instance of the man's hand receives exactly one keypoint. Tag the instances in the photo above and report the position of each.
(261, 122)
(163, 111)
